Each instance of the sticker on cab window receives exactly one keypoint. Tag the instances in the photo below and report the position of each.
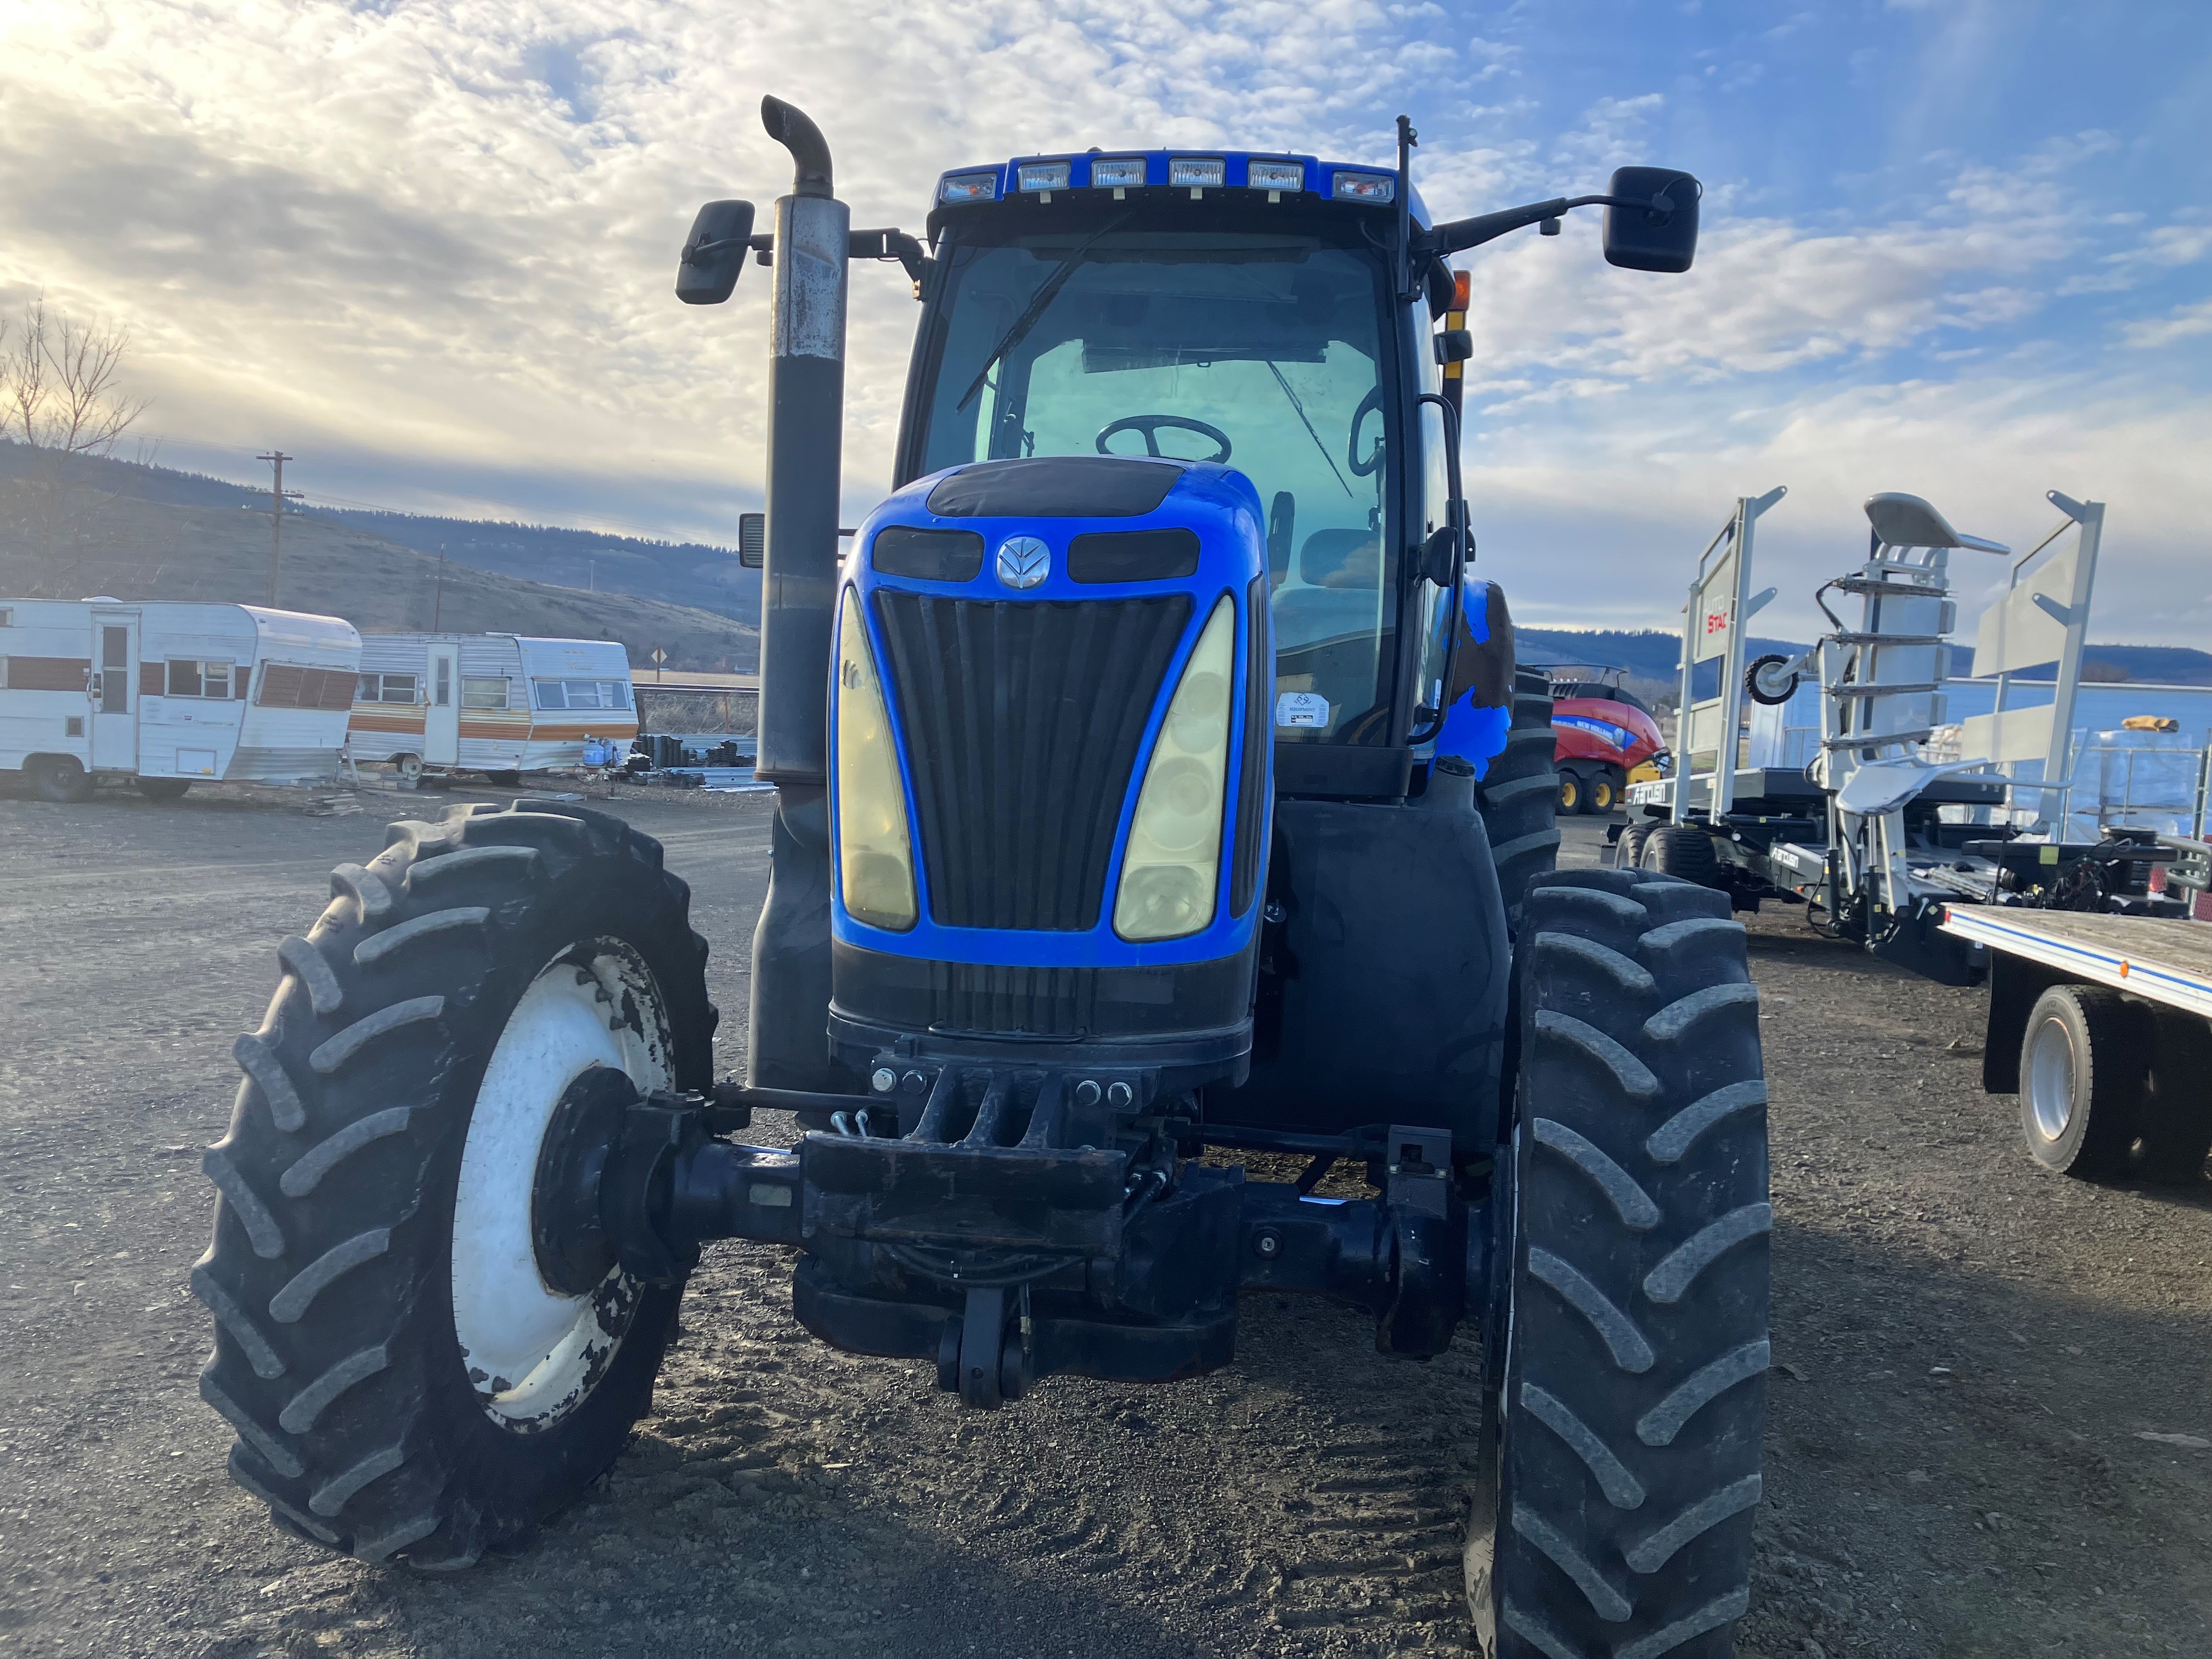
(1297, 709)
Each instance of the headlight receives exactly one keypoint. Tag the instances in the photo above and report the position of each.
(1374, 188)
(957, 187)
(1172, 866)
(875, 853)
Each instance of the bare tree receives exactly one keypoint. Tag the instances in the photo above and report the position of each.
(61, 398)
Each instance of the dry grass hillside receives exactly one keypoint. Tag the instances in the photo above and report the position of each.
(94, 542)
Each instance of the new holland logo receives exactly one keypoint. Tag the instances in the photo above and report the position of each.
(1024, 561)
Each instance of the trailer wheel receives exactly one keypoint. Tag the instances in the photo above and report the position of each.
(403, 1380)
(1604, 792)
(1571, 792)
(1679, 850)
(1518, 796)
(60, 778)
(162, 788)
(1628, 851)
(2175, 1125)
(1617, 1482)
(2082, 1076)
(408, 767)
(504, 780)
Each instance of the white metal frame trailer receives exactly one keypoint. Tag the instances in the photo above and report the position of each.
(164, 694)
(501, 704)
(2102, 1025)
(1859, 833)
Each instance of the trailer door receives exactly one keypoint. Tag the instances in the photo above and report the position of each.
(441, 726)
(114, 691)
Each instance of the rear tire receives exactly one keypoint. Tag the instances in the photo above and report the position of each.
(1518, 795)
(504, 780)
(2175, 1125)
(1619, 1478)
(402, 1381)
(162, 788)
(2083, 1072)
(1603, 795)
(1572, 791)
(62, 778)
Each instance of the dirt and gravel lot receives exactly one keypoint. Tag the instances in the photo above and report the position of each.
(1969, 1355)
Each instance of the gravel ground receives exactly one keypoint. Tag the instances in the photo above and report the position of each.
(1968, 1354)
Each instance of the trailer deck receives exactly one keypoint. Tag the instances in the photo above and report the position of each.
(2164, 959)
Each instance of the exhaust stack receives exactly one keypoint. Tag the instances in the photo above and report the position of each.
(806, 415)
(790, 997)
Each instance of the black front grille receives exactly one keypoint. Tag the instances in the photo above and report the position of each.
(1022, 722)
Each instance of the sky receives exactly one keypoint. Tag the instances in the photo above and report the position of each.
(1958, 247)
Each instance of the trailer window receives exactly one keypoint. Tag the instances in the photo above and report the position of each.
(190, 676)
(289, 685)
(385, 688)
(482, 692)
(582, 694)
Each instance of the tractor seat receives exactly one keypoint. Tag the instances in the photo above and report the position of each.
(1340, 558)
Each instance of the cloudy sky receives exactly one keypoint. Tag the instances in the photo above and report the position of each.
(1962, 247)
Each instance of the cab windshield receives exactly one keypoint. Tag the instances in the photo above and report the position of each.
(1262, 351)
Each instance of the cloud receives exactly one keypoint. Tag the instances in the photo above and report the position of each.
(2184, 322)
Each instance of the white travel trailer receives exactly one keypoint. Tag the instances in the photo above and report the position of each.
(501, 704)
(165, 694)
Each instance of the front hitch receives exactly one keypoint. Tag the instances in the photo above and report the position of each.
(1012, 1233)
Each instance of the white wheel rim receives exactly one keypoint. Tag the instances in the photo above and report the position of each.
(533, 1353)
(2051, 1078)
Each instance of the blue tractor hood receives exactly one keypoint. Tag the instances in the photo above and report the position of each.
(1030, 621)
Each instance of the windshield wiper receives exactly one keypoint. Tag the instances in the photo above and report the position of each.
(1309, 425)
(1048, 291)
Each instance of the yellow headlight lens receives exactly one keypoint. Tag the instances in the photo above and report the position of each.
(1172, 867)
(875, 853)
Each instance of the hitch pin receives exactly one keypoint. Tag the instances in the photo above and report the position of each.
(840, 1123)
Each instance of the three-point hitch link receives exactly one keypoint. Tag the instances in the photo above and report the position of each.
(1004, 1262)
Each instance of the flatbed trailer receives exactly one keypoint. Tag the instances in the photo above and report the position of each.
(2102, 1025)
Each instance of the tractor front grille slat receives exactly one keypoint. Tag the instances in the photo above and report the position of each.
(1022, 722)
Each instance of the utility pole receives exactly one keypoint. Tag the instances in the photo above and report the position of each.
(276, 458)
(438, 597)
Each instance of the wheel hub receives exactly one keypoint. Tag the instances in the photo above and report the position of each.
(2050, 1080)
(572, 1250)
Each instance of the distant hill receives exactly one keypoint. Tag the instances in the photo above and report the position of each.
(687, 573)
(140, 549)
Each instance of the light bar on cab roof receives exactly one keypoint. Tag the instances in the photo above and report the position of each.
(959, 187)
(1197, 172)
(1041, 175)
(1375, 189)
(1276, 175)
(1117, 171)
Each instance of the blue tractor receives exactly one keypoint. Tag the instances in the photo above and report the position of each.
(1155, 783)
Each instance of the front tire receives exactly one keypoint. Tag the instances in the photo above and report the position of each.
(402, 1381)
(1680, 851)
(63, 780)
(2082, 1077)
(1627, 1356)
(162, 788)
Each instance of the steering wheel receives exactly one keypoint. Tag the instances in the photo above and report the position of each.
(1150, 425)
(1371, 404)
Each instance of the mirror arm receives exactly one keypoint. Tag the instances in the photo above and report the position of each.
(1456, 235)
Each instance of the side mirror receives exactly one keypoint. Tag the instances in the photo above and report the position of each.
(752, 539)
(714, 252)
(1661, 237)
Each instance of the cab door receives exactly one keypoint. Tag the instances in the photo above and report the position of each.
(441, 725)
(113, 689)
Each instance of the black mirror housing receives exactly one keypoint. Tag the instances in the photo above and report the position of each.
(1654, 238)
(714, 252)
